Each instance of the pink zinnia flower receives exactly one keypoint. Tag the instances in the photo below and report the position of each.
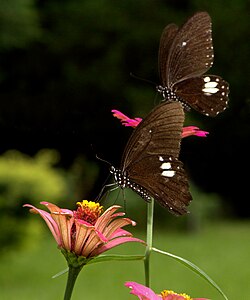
(186, 131)
(88, 231)
(145, 293)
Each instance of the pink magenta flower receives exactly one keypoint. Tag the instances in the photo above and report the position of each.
(126, 121)
(193, 130)
(88, 231)
(145, 293)
(186, 131)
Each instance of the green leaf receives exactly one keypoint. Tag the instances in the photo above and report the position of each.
(60, 273)
(102, 258)
(194, 268)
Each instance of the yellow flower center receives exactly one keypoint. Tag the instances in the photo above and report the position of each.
(88, 211)
(165, 293)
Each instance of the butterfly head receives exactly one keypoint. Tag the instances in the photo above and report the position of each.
(119, 176)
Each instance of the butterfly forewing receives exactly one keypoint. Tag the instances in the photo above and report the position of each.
(159, 132)
(166, 41)
(150, 159)
(191, 53)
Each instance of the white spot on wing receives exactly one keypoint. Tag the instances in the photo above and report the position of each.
(161, 158)
(210, 87)
(168, 173)
(211, 84)
(166, 165)
(210, 90)
(206, 79)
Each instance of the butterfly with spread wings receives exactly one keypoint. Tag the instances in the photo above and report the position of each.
(150, 164)
(185, 54)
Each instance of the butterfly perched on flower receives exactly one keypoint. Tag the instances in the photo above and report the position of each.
(185, 55)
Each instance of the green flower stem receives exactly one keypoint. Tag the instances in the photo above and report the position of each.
(72, 276)
(75, 264)
(150, 221)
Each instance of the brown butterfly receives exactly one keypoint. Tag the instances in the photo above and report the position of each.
(185, 54)
(150, 164)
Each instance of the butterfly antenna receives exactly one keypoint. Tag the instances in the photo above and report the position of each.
(142, 79)
(148, 81)
(103, 193)
(103, 160)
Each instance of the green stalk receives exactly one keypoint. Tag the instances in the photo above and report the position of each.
(75, 264)
(150, 221)
(72, 276)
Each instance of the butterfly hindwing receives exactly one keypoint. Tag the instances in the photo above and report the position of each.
(165, 179)
(207, 94)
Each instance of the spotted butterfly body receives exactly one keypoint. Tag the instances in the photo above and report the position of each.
(185, 54)
(150, 164)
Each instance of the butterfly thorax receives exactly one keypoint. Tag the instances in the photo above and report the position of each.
(169, 95)
(122, 179)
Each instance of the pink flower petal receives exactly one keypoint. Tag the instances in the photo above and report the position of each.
(115, 242)
(118, 214)
(81, 236)
(105, 218)
(49, 221)
(143, 292)
(119, 233)
(115, 224)
(119, 115)
(64, 220)
(193, 130)
(92, 243)
(64, 223)
(126, 121)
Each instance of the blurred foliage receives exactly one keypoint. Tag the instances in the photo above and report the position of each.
(65, 64)
(204, 208)
(25, 179)
(19, 23)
